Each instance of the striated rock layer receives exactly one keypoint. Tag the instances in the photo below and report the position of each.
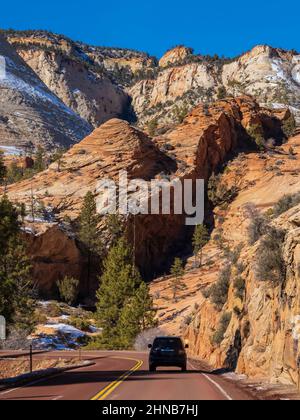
(30, 112)
(262, 338)
(193, 150)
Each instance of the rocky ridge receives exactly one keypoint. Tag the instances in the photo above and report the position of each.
(30, 112)
(195, 149)
(101, 83)
(261, 338)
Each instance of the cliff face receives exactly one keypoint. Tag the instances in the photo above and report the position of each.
(175, 55)
(271, 75)
(77, 77)
(174, 87)
(262, 338)
(101, 83)
(183, 80)
(194, 149)
(261, 334)
(29, 111)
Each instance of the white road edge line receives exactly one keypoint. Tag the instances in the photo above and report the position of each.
(57, 398)
(36, 382)
(223, 392)
(28, 384)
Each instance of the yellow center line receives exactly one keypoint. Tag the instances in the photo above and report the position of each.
(104, 393)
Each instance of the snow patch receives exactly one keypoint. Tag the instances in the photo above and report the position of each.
(278, 70)
(11, 151)
(33, 90)
(296, 74)
(66, 329)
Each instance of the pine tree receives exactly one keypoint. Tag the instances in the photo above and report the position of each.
(89, 233)
(39, 164)
(200, 239)
(58, 158)
(2, 168)
(137, 315)
(114, 227)
(118, 284)
(16, 303)
(9, 224)
(23, 212)
(17, 273)
(68, 289)
(177, 272)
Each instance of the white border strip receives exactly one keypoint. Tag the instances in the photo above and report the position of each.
(223, 392)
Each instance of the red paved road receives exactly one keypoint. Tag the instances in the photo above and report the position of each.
(112, 378)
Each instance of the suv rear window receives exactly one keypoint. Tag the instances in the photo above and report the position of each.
(174, 343)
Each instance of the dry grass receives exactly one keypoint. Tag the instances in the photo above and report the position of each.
(12, 368)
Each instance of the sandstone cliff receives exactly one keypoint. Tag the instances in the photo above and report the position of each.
(194, 149)
(271, 75)
(260, 325)
(29, 111)
(100, 83)
(75, 74)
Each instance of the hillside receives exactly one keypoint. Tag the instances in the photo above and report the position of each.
(30, 112)
(195, 149)
(259, 338)
(99, 83)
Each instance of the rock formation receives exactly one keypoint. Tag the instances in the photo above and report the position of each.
(194, 149)
(175, 56)
(101, 83)
(30, 112)
(87, 79)
(261, 339)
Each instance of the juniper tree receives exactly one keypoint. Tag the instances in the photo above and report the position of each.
(89, 232)
(177, 272)
(9, 224)
(200, 239)
(68, 289)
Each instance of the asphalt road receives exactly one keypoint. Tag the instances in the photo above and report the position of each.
(125, 376)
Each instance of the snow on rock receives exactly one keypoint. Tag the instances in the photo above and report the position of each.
(11, 150)
(296, 74)
(277, 67)
(66, 329)
(33, 90)
(60, 337)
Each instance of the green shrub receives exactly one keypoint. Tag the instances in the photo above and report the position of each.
(218, 193)
(270, 265)
(286, 203)
(258, 225)
(68, 290)
(289, 127)
(238, 312)
(234, 255)
(240, 287)
(255, 132)
(219, 290)
(246, 329)
(79, 323)
(206, 292)
(218, 336)
(52, 309)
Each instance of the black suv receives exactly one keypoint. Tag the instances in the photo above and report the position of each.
(167, 351)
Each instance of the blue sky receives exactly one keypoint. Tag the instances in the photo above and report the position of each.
(212, 26)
